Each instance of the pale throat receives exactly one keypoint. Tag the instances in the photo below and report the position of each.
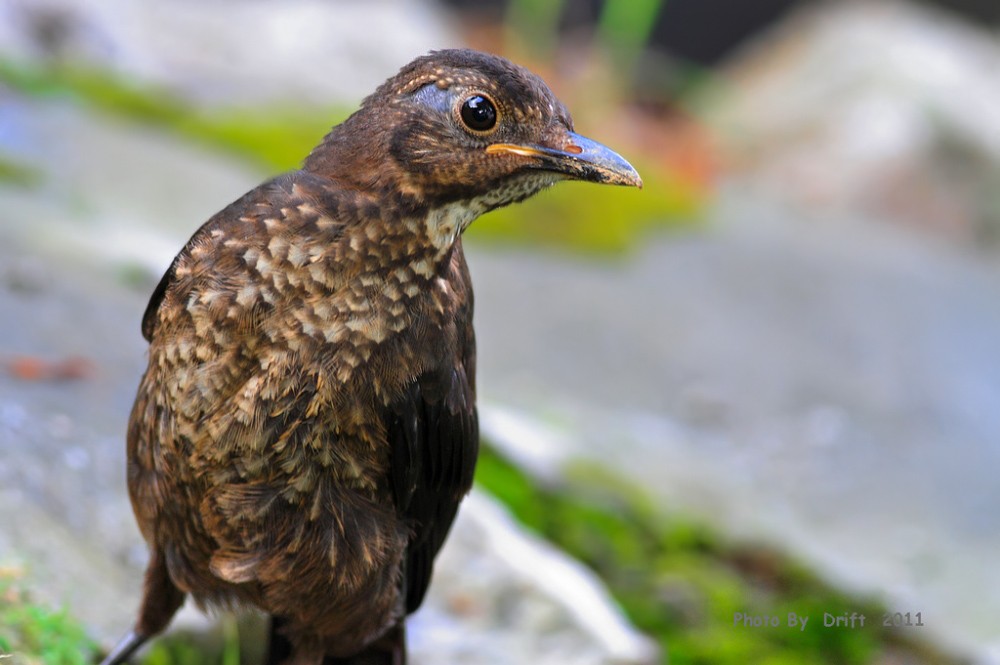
(443, 225)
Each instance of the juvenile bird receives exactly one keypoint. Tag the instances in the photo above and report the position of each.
(306, 426)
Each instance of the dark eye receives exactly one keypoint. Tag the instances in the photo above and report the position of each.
(479, 114)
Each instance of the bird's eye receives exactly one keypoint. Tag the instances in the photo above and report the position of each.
(479, 114)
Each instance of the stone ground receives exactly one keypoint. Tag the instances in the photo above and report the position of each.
(825, 382)
(827, 385)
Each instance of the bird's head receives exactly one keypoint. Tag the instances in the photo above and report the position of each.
(460, 126)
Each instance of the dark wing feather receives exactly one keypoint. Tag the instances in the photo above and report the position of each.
(435, 439)
(149, 316)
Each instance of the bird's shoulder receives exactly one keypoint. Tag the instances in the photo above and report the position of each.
(300, 298)
(276, 228)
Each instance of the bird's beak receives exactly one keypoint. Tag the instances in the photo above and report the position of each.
(579, 158)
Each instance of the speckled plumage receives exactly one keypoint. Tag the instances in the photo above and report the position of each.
(306, 426)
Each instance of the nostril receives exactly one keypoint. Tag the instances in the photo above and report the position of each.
(573, 148)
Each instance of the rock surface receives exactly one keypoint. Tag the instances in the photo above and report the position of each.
(504, 596)
(292, 52)
(822, 385)
(807, 374)
(885, 107)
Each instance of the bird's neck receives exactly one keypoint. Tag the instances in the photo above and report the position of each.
(367, 174)
(356, 156)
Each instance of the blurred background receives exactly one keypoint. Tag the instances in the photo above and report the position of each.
(768, 383)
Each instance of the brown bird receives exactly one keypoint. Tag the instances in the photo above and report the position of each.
(306, 426)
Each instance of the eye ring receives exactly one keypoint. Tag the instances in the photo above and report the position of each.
(478, 113)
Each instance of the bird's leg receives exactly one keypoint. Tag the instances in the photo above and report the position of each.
(125, 648)
(160, 601)
(278, 646)
(390, 649)
(397, 641)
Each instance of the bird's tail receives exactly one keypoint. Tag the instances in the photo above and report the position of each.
(390, 649)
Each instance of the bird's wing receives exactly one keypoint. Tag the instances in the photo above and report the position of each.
(296, 201)
(434, 433)
(435, 441)
(226, 413)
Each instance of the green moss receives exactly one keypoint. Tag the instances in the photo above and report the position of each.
(222, 645)
(18, 173)
(573, 216)
(683, 585)
(180, 649)
(185, 648)
(276, 137)
(34, 634)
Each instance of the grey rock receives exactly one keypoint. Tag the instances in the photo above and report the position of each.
(802, 371)
(851, 378)
(505, 596)
(293, 52)
(882, 107)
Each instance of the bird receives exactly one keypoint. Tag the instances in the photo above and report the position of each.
(306, 426)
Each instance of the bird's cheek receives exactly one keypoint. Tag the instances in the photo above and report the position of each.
(415, 147)
(436, 166)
